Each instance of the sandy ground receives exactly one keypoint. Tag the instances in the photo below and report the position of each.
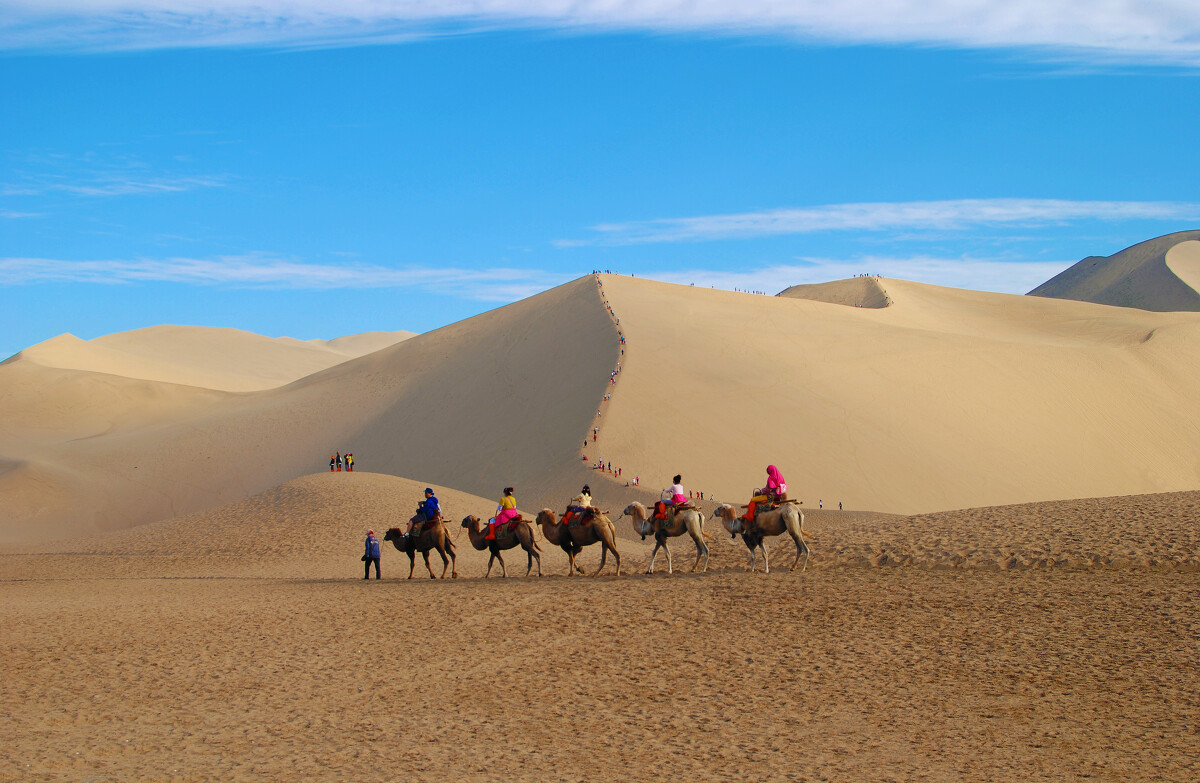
(242, 644)
(841, 673)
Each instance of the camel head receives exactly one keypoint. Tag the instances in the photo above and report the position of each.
(547, 517)
(471, 521)
(729, 518)
(393, 534)
(641, 524)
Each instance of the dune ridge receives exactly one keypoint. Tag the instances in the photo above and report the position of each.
(854, 292)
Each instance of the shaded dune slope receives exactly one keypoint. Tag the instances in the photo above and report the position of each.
(503, 398)
(946, 399)
(1138, 276)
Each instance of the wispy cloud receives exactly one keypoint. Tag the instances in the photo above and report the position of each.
(261, 270)
(1165, 30)
(878, 216)
(8, 214)
(980, 274)
(96, 175)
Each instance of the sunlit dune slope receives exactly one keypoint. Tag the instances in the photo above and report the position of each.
(1138, 276)
(945, 399)
(224, 359)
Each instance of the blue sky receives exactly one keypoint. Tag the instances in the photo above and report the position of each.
(291, 173)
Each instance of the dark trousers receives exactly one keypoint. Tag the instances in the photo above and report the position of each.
(367, 567)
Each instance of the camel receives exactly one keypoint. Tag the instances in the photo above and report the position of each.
(689, 521)
(435, 537)
(522, 534)
(788, 518)
(601, 529)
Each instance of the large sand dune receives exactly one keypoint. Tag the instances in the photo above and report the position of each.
(1138, 276)
(944, 399)
(504, 398)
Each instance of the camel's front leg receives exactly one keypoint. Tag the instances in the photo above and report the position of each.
(571, 567)
(489, 570)
(412, 564)
(670, 563)
(425, 555)
(503, 570)
(701, 552)
(603, 558)
(801, 546)
(766, 564)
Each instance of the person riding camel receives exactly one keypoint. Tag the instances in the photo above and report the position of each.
(674, 498)
(507, 510)
(774, 492)
(578, 504)
(427, 510)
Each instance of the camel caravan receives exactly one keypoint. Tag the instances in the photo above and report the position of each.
(770, 513)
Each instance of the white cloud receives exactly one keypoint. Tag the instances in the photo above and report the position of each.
(972, 273)
(266, 271)
(1164, 30)
(910, 215)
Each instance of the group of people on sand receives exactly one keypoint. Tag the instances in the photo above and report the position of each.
(336, 461)
(674, 498)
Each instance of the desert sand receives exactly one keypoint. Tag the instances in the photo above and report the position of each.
(1183, 260)
(943, 399)
(1046, 642)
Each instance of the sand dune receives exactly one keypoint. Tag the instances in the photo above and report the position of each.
(1184, 262)
(1138, 276)
(504, 398)
(855, 292)
(211, 358)
(945, 399)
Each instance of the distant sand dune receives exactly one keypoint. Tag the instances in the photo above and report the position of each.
(855, 292)
(211, 358)
(1184, 261)
(1138, 276)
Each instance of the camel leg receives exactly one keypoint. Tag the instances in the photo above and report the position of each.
(766, 564)
(425, 555)
(616, 554)
(670, 563)
(575, 553)
(489, 571)
(571, 567)
(801, 546)
(603, 558)
(653, 555)
(412, 563)
(701, 552)
(753, 552)
(503, 570)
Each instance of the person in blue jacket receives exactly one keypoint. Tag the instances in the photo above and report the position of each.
(427, 509)
(371, 555)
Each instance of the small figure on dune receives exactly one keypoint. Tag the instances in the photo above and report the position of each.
(371, 555)
(339, 462)
(507, 510)
(350, 462)
(331, 463)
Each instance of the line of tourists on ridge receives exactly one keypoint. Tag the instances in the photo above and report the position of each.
(337, 460)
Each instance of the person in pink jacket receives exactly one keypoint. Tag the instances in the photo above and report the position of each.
(776, 490)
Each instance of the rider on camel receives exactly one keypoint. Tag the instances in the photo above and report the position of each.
(678, 499)
(427, 511)
(774, 492)
(506, 511)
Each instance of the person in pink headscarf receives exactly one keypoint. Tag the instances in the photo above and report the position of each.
(774, 491)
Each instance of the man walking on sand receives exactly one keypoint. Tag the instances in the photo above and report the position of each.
(371, 555)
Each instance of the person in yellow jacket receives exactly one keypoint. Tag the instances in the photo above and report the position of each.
(504, 512)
